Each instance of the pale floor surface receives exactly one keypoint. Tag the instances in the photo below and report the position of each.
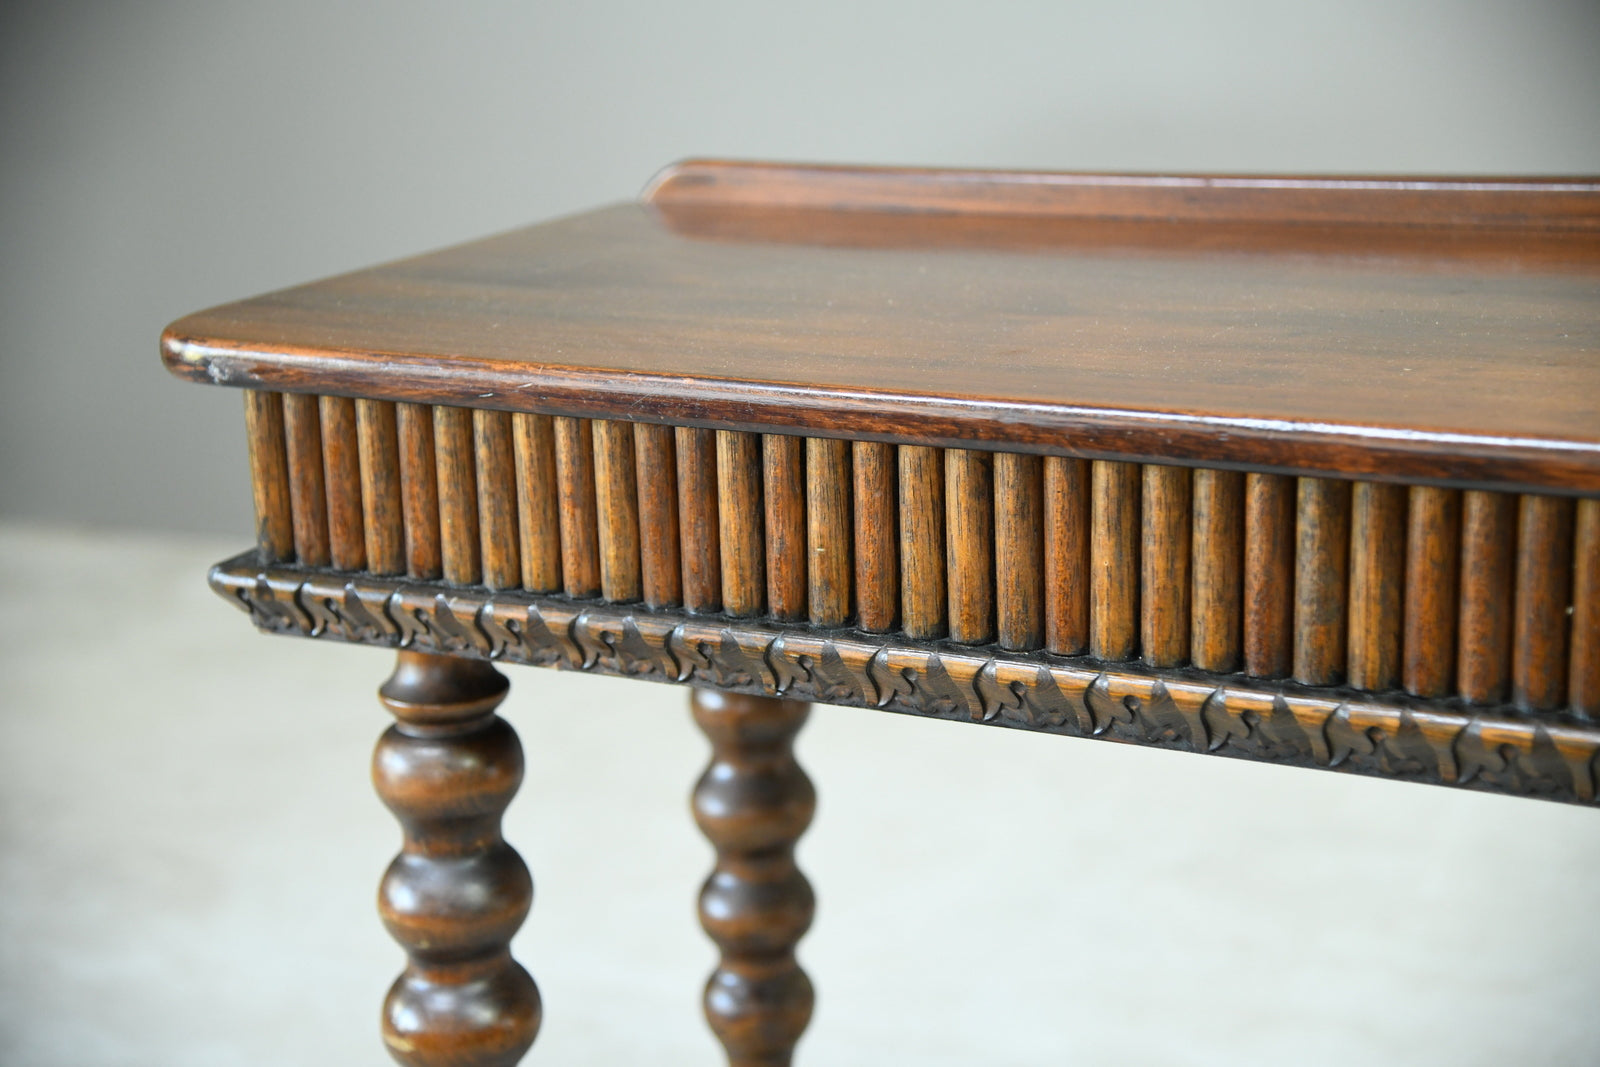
(189, 850)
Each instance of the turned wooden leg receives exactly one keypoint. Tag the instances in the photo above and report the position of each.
(754, 802)
(456, 892)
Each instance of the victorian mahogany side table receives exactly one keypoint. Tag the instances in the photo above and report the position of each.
(1294, 469)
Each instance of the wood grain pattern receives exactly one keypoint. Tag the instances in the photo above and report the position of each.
(813, 336)
(1216, 632)
(1377, 584)
(419, 490)
(783, 475)
(876, 497)
(1066, 555)
(499, 540)
(575, 498)
(1114, 532)
(455, 460)
(456, 893)
(269, 474)
(1164, 564)
(617, 509)
(660, 567)
(699, 519)
(1269, 543)
(1583, 685)
(829, 535)
(538, 506)
(1433, 565)
(922, 569)
(1321, 579)
(308, 496)
(341, 472)
(1019, 552)
(753, 802)
(741, 513)
(969, 544)
(1543, 598)
(1488, 553)
(379, 446)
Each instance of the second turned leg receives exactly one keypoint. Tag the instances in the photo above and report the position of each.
(456, 892)
(754, 802)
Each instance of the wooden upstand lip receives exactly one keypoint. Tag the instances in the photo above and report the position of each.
(1302, 470)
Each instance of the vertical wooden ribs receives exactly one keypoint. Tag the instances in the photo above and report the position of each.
(739, 506)
(617, 510)
(828, 532)
(538, 502)
(1066, 555)
(1269, 542)
(1019, 551)
(699, 520)
(657, 475)
(969, 544)
(1114, 560)
(384, 532)
(1433, 564)
(1217, 578)
(1490, 597)
(876, 496)
(1164, 565)
(1377, 581)
(922, 569)
(783, 479)
(269, 474)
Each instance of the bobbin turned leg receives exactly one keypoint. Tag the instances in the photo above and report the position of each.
(754, 802)
(456, 892)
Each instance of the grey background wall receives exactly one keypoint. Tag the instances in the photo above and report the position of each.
(162, 156)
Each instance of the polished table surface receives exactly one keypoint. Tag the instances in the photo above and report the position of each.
(1303, 470)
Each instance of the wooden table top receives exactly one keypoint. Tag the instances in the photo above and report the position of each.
(1417, 330)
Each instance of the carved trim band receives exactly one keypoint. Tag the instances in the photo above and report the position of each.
(1397, 737)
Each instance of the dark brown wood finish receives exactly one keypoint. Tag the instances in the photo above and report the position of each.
(1230, 339)
(1083, 454)
(700, 525)
(754, 802)
(457, 892)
